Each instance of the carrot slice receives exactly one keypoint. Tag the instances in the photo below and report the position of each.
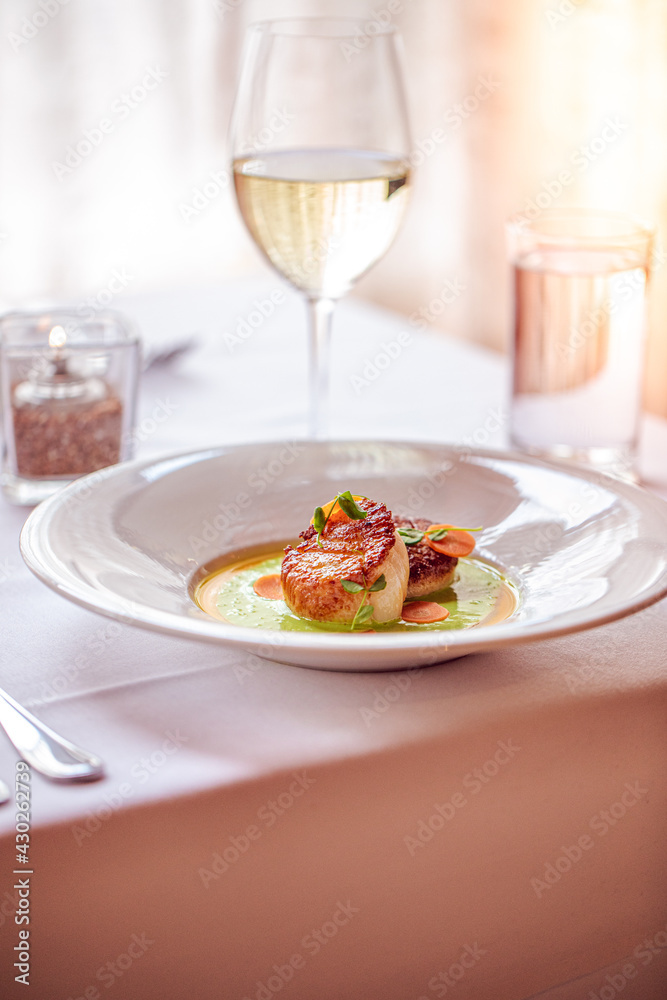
(269, 586)
(338, 514)
(456, 543)
(423, 612)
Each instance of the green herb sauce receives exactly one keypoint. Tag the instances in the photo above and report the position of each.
(478, 592)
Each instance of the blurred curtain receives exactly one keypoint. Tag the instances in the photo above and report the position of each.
(113, 166)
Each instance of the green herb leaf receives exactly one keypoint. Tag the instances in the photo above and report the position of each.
(319, 520)
(351, 587)
(410, 535)
(379, 584)
(349, 506)
(441, 532)
(363, 614)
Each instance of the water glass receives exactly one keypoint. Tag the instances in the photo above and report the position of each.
(580, 282)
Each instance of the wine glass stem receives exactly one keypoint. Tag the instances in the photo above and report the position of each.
(320, 312)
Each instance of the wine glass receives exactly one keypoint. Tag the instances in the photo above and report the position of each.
(320, 145)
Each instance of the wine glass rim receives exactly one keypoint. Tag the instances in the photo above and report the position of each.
(634, 227)
(355, 27)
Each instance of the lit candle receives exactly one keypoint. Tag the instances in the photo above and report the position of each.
(54, 376)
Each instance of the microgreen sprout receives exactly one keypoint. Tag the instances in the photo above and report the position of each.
(364, 611)
(347, 504)
(412, 536)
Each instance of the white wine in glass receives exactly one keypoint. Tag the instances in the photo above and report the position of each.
(320, 158)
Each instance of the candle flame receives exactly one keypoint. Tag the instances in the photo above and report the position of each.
(57, 337)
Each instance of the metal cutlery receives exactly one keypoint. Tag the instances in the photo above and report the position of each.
(47, 752)
(164, 354)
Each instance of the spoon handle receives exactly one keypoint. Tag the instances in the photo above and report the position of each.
(54, 757)
(4, 793)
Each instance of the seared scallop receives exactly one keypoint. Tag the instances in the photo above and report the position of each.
(360, 551)
(429, 570)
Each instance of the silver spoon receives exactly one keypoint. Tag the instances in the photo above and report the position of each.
(4, 793)
(54, 757)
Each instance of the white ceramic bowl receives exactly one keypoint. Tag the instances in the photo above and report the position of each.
(130, 542)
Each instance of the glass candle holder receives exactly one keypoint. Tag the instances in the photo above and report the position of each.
(69, 388)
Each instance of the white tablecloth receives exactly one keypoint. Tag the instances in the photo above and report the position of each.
(248, 803)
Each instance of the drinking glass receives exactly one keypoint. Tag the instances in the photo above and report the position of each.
(320, 146)
(580, 281)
